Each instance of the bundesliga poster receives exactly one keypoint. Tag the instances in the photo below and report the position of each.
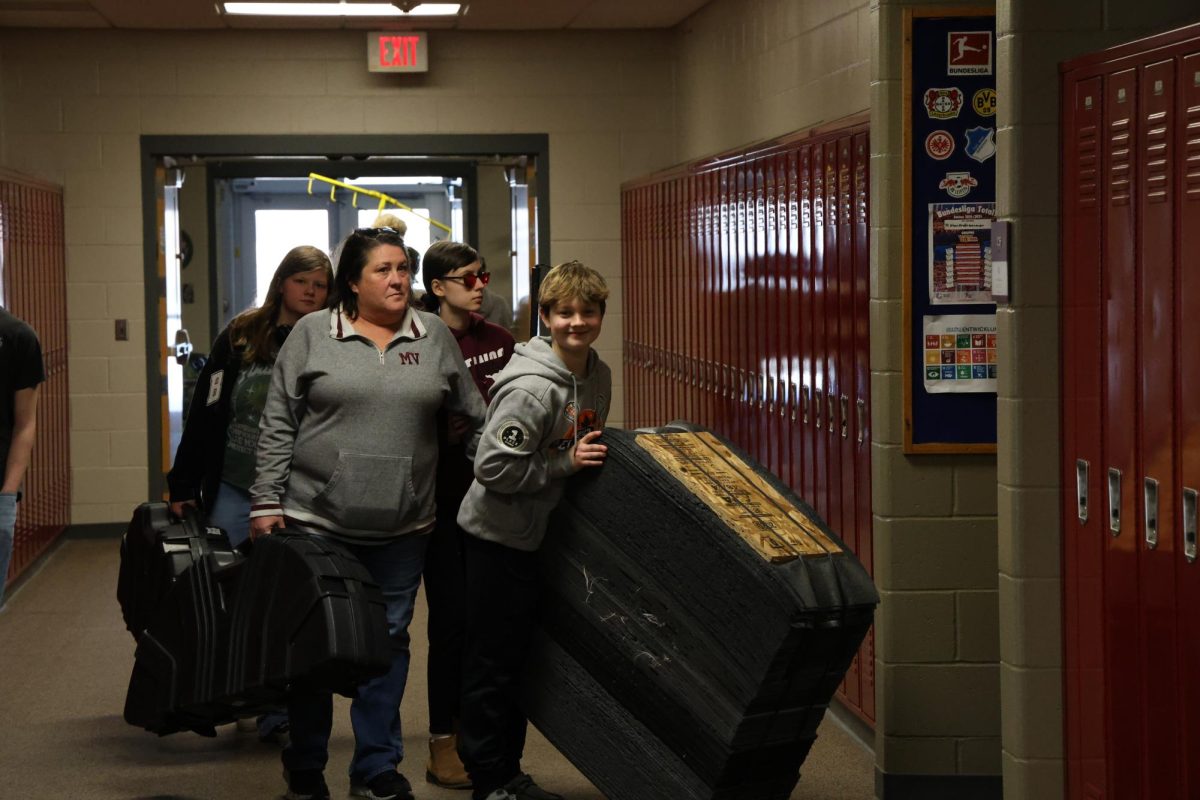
(960, 253)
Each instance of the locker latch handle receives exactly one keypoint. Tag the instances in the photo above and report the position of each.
(1150, 491)
(1081, 490)
(805, 394)
(830, 413)
(816, 408)
(1189, 524)
(862, 419)
(1114, 501)
(784, 399)
(793, 397)
(845, 401)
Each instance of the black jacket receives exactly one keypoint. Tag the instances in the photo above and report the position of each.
(199, 459)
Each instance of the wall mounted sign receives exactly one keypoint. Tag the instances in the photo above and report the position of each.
(397, 51)
(950, 363)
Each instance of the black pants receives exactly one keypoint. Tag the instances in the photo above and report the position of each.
(445, 593)
(502, 595)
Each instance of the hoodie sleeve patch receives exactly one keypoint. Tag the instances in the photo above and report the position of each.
(215, 381)
(512, 434)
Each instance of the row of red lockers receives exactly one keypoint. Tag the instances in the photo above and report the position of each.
(35, 290)
(1131, 420)
(746, 310)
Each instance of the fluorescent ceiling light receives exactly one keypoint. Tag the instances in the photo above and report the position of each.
(341, 9)
(435, 10)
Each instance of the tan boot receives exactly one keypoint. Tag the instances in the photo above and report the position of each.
(445, 769)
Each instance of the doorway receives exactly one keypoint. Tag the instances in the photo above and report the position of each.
(219, 212)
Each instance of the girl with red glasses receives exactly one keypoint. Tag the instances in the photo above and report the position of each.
(454, 278)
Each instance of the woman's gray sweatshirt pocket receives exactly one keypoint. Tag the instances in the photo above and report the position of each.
(368, 492)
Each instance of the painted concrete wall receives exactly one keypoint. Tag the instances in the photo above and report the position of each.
(935, 516)
(754, 69)
(605, 99)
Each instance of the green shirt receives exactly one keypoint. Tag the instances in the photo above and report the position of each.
(241, 437)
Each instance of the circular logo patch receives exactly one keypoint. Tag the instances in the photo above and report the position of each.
(984, 102)
(512, 435)
(939, 145)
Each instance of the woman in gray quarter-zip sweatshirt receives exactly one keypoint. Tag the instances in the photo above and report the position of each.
(348, 449)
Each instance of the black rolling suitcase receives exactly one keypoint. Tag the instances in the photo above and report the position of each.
(221, 635)
(155, 550)
(698, 618)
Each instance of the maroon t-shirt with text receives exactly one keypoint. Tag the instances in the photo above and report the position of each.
(486, 348)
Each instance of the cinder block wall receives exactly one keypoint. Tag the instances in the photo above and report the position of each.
(754, 69)
(607, 100)
(1034, 37)
(937, 677)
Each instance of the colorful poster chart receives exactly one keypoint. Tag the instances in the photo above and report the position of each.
(949, 207)
(960, 353)
(960, 253)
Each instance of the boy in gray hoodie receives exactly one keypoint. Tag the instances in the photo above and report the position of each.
(548, 408)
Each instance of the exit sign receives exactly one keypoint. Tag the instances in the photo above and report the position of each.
(397, 51)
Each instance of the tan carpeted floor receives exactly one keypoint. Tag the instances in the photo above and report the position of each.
(65, 658)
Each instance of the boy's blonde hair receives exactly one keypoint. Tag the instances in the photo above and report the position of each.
(572, 281)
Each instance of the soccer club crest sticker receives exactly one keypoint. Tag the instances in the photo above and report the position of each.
(984, 102)
(939, 145)
(981, 143)
(958, 184)
(512, 435)
(943, 103)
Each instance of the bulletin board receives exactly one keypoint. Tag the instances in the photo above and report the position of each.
(950, 348)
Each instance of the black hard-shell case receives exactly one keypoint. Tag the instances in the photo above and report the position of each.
(675, 662)
(221, 635)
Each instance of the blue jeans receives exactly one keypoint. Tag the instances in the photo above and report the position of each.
(8, 523)
(375, 711)
(231, 512)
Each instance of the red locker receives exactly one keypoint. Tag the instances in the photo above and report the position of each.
(820, 490)
(805, 339)
(832, 343)
(862, 395)
(1187, 443)
(1085, 513)
(1131, 129)
(1120, 423)
(783, 291)
(1160, 744)
(839, 434)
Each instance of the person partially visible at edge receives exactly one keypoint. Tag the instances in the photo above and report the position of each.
(548, 408)
(454, 281)
(21, 375)
(214, 463)
(348, 450)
